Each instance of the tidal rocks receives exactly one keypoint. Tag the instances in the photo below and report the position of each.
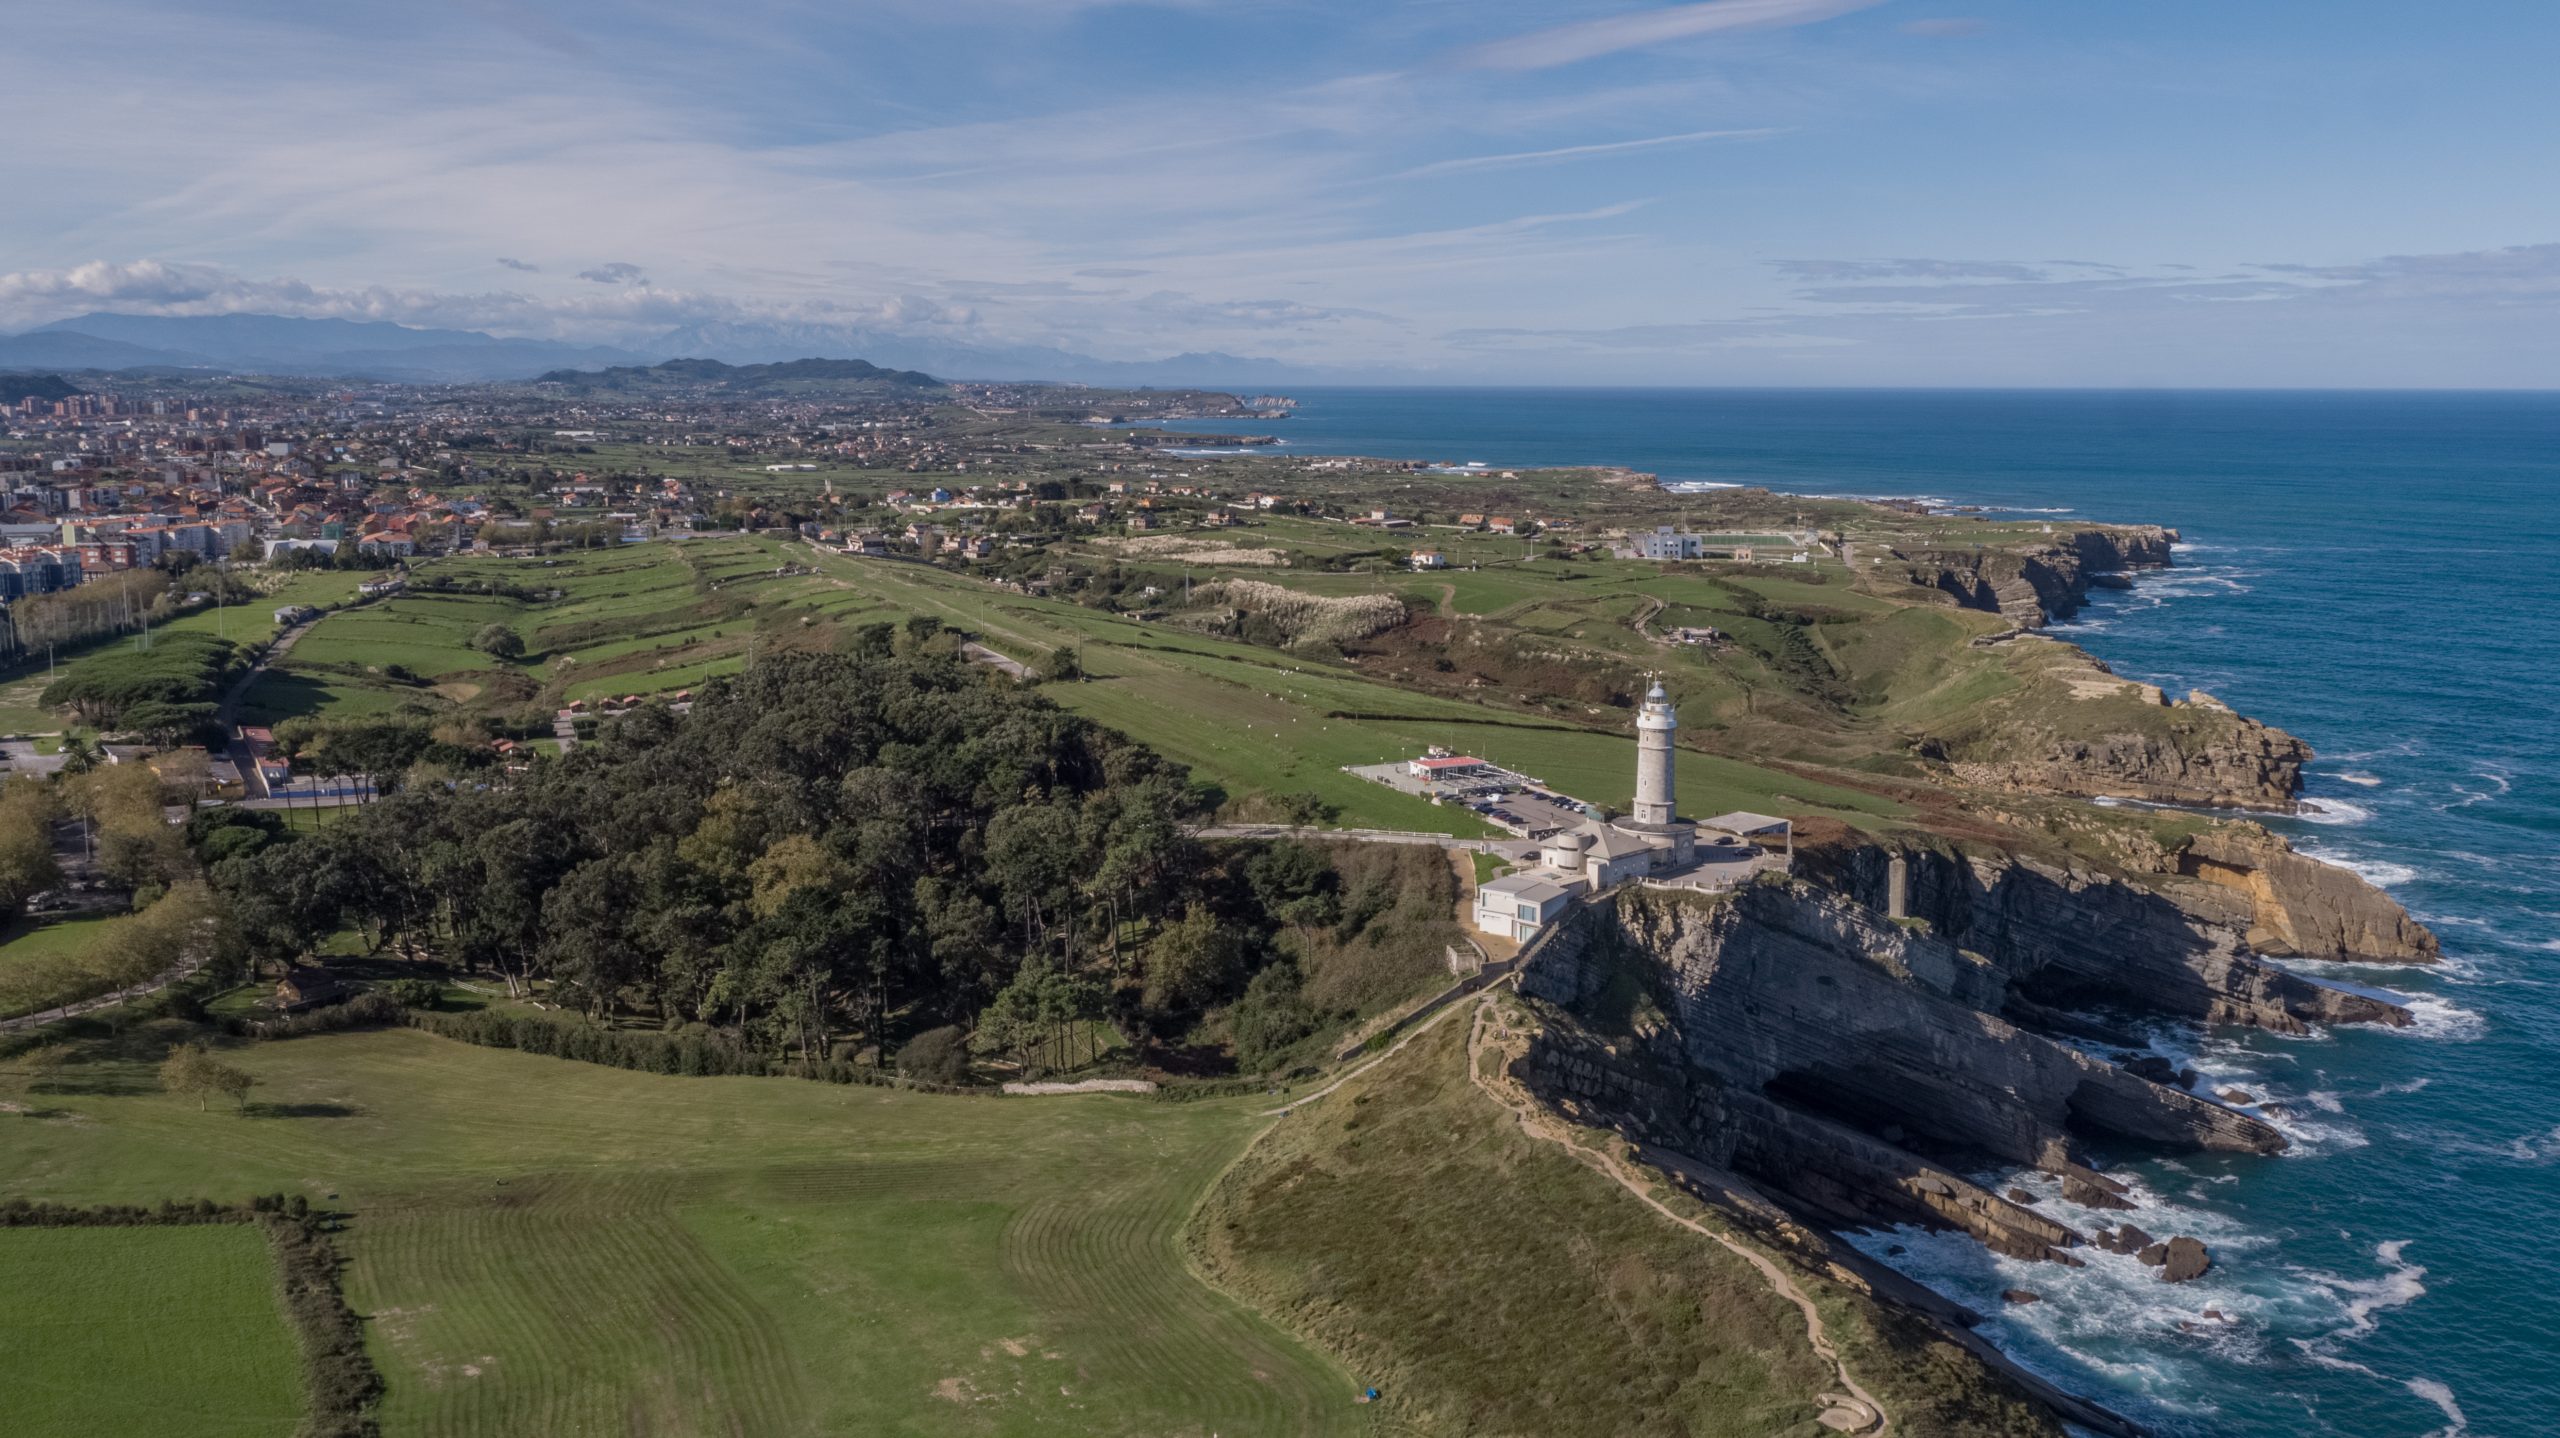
(2127, 1239)
(2181, 1260)
(2093, 1190)
(2019, 1196)
(2020, 1296)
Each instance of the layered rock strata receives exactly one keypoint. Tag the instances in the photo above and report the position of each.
(1810, 1044)
(2035, 586)
(2182, 942)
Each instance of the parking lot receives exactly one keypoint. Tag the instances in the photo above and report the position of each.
(1509, 800)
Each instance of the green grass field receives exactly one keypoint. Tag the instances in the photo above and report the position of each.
(550, 1247)
(40, 963)
(1261, 723)
(173, 1332)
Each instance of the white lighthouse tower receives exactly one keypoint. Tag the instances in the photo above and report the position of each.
(1654, 723)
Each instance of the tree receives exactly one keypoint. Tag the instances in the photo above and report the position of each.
(1059, 665)
(27, 865)
(1194, 962)
(498, 640)
(191, 1070)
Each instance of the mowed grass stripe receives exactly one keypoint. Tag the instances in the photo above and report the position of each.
(1112, 1250)
(632, 1253)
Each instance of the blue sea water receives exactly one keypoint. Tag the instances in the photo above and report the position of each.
(2379, 574)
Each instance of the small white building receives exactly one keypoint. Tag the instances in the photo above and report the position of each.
(1518, 906)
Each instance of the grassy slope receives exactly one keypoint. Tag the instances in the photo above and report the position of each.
(1489, 1284)
(621, 1252)
(1255, 719)
(174, 1332)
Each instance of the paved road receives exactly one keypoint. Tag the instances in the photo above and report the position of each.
(981, 654)
(1356, 836)
(252, 781)
(23, 758)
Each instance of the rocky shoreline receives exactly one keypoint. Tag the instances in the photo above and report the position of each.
(1839, 1051)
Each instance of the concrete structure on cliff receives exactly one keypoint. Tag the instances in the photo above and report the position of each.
(1654, 844)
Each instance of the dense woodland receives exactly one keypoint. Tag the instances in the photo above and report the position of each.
(841, 850)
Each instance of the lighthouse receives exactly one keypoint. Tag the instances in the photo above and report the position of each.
(1654, 723)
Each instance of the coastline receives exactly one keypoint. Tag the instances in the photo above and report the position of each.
(2279, 1327)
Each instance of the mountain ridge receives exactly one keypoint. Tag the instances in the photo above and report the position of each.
(385, 350)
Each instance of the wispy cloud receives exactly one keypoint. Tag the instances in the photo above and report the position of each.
(1590, 39)
(523, 265)
(1944, 27)
(1575, 152)
(616, 273)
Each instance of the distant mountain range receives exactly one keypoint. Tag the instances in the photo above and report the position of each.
(755, 378)
(376, 349)
(275, 344)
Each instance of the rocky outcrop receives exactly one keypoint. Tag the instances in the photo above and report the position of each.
(2065, 937)
(2182, 1260)
(2300, 907)
(1812, 1045)
(2233, 763)
(2034, 586)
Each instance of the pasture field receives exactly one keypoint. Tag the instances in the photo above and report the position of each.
(542, 1246)
(176, 1332)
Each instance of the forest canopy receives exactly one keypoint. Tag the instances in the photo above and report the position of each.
(827, 847)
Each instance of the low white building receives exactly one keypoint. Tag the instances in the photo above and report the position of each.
(1518, 906)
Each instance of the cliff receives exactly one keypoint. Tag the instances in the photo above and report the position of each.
(2041, 583)
(2187, 940)
(1847, 1062)
(2294, 906)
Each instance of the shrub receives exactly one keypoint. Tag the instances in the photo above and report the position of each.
(415, 993)
(498, 640)
(1272, 1017)
(938, 1056)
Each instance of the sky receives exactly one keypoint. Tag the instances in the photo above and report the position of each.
(1782, 192)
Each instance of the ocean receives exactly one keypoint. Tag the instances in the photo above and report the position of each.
(2380, 575)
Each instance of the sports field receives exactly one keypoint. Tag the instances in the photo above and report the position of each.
(171, 1332)
(548, 1247)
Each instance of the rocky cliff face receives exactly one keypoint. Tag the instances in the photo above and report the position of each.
(2176, 943)
(1804, 1041)
(2298, 907)
(2038, 585)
